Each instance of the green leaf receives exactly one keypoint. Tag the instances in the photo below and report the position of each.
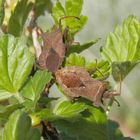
(46, 114)
(34, 87)
(123, 46)
(91, 126)
(63, 136)
(2, 12)
(72, 8)
(99, 70)
(57, 12)
(16, 62)
(4, 95)
(122, 68)
(75, 25)
(80, 121)
(67, 109)
(75, 60)
(80, 130)
(44, 100)
(19, 128)
(42, 5)
(19, 17)
(6, 111)
(79, 48)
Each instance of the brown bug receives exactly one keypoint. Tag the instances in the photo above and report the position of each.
(76, 82)
(54, 49)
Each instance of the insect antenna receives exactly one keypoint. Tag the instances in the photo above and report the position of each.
(65, 17)
(97, 69)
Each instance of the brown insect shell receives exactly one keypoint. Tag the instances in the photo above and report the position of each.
(54, 40)
(76, 82)
(53, 51)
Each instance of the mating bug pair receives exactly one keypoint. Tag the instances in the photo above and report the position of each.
(75, 81)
